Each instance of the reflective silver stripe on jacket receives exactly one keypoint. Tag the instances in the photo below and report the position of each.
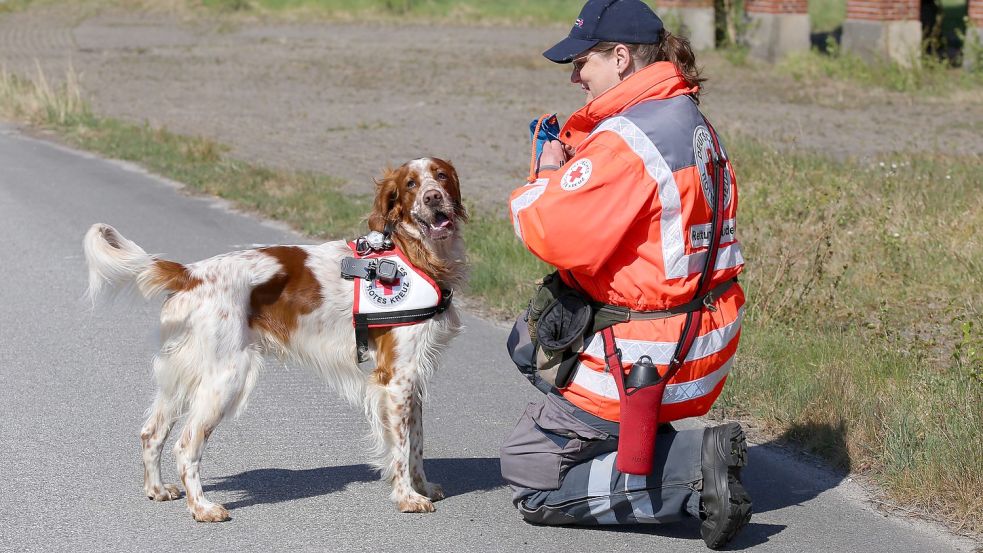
(602, 384)
(661, 352)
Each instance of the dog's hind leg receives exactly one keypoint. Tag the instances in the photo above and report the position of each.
(420, 484)
(222, 391)
(152, 437)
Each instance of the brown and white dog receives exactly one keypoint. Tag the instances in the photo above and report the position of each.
(223, 313)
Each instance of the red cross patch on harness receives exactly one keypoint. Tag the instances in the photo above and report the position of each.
(577, 175)
(387, 293)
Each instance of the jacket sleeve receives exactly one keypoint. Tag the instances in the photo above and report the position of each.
(574, 218)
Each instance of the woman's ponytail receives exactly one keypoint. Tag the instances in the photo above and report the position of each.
(677, 50)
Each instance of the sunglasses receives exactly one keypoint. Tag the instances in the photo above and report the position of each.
(578, 63)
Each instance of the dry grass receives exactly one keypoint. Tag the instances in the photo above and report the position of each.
(39, 102)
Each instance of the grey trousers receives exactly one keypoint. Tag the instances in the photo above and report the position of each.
(560, 462)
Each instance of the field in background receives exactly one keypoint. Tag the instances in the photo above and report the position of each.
(528, 11)
(472, 11)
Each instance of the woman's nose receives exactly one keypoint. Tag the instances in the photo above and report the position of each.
(575, 77)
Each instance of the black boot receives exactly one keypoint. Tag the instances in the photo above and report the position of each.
(725, 506)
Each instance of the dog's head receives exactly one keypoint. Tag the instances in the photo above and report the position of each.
(423, 196)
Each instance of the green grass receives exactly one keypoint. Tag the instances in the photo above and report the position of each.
(13, 5)
(503, 272)
(863, 338)
(926, 75)
(910, 425)
(863, 333)
(311, 203)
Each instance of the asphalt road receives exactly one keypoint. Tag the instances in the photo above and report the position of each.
(74, 384)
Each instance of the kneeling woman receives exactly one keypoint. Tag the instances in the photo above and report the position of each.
(636, 207)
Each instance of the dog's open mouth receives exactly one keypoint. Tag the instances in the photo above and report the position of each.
(440, 227)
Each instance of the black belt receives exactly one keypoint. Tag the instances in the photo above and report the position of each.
(617, 314)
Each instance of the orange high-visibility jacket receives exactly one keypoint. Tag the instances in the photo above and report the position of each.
(627, 222)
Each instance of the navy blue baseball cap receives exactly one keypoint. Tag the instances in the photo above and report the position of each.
(627, 21)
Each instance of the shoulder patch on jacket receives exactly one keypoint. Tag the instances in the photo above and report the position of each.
(577, 175)
(703, 152)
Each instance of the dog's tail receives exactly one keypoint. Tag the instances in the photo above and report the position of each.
(118, 264)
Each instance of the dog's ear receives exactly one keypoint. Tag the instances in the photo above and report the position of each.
(386, 200)
(455, 191)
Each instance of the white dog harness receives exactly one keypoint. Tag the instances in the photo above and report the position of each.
(389, 290)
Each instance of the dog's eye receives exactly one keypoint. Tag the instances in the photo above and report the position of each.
(441, 176)
(411, 183)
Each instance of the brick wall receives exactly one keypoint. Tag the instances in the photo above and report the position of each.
(684, 4)
(976, 13)
(777, 6)
(884, 10)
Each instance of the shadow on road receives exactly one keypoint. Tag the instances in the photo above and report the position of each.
(776, 477)
(461, 476)
(272, 485)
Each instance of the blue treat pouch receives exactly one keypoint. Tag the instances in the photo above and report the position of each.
(541, 131)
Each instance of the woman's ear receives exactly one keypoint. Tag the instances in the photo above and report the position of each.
(623, 59)
(386, 196)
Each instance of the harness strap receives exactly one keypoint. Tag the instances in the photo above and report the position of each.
(364, 321)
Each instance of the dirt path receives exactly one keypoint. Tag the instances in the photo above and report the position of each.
(345, 99)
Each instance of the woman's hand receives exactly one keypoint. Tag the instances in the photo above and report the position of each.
(554, 155)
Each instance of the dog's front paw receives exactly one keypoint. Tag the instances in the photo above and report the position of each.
(434, 492)
(416, 504)
(210, 512)
(165, 492)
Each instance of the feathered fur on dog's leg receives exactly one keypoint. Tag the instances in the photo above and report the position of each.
(402, 419)
(160, 420)
(389, 405)
(215, 398)
(420, 483)
(376, 410)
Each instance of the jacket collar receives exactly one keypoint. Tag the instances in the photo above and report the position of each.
(657, 81)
